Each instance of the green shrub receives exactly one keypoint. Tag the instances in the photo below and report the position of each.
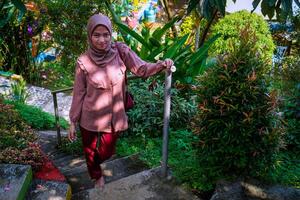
(235, 121)
(17, 139)
(147, 115)
(37, 118)
(290, 92)
(69, 32)
(229, 28)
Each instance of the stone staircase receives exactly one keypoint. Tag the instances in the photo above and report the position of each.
(125, 177)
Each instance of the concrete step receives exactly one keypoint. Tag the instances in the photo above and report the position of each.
(147, 184)
(42, 189)
(15, 180)
(74, 165)
(114, 169)
(122, 167)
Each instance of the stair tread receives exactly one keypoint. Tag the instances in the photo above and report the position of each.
(15, 181)
(147, 184)
(45, 189)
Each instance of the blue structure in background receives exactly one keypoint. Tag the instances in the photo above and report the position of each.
(277, 26)
(149, 12)
(48, 55)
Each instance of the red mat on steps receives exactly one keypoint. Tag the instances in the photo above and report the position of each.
(49, 172)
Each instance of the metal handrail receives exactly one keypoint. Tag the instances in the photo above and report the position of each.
(54, 94)
(167, 107)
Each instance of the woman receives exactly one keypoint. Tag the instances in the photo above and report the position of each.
(99, 91)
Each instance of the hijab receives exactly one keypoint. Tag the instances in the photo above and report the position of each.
(100, 57)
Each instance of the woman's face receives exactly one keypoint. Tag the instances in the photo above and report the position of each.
(101, 37)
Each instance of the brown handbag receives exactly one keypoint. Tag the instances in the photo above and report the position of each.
(129, 100)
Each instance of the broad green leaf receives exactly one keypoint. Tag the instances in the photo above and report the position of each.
(174, 47)
(272, 3)
(159, 32)
(266, 10)
(220, 5)
(201, 52)
(255, 4)
(192, 5)
(207, 9)
(156, 52)
(184, 53)
(287, 6)
(6, 20)
(133, 34)
(154, 42)
(21, 7)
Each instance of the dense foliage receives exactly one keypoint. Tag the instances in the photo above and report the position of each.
(235, 122)
(229, 28)
(289, 88)
(147, 115)
(15, 35)
(17, 139)
(69, 32)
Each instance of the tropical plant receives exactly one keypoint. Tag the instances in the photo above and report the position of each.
(13, 38)
(157, 45)
(239, 134)
(18, 89)
(19, 33)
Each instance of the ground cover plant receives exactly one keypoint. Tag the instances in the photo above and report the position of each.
(17, 139)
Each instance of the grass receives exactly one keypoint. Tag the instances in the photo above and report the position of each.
(286, 171)
(182, 156)
(37, 118)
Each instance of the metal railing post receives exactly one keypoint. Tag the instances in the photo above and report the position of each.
(56, 118)
(167, 106)
(54, 94)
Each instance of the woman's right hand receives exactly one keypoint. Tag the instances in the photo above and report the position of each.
(72, 132)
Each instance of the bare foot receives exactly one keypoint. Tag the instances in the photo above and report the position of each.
(100, 183)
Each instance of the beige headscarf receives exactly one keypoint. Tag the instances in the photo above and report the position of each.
(100, 57)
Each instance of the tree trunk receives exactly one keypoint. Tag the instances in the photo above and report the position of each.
(208, 25)
(169, 15)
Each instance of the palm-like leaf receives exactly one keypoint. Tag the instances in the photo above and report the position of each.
(134, 34)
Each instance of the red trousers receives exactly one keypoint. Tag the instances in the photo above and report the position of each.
(97, 147)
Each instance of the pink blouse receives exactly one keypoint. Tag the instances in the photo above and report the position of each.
(98, 95)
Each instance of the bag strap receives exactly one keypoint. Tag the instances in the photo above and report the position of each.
(120, 54)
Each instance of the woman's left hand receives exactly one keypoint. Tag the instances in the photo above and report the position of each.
(168, 63)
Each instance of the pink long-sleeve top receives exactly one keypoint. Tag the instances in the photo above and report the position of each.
(98, 94)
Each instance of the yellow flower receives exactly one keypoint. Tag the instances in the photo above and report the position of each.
(16, 77)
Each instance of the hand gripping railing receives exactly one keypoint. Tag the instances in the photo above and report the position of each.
(167, 107)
